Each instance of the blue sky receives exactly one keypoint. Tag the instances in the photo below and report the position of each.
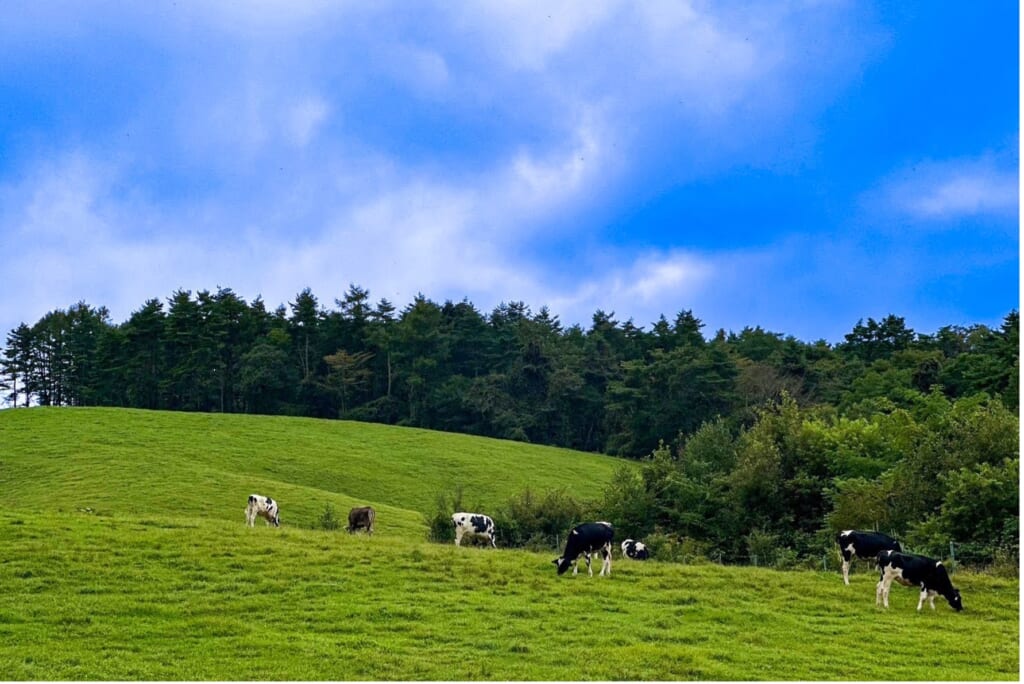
(795, 165)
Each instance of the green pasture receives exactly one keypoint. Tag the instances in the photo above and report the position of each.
(204, 466)
(124, 556)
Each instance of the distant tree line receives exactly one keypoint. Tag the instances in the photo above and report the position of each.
(750, 439)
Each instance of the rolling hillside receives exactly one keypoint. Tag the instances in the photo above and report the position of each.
(124, 556)
(205, 465)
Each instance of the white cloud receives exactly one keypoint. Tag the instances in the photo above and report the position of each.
(969, 193)
(394, 230)
(642, 288)
(305, 118)
(527, 34)
(952, 190)
(569, 84)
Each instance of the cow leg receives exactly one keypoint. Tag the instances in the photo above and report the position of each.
(575, 567)
(885, 591)
(878, 591)
(590, 570)
(920, 601)
(846, 571)
(606, 565)
(458, 537)
(493, 545)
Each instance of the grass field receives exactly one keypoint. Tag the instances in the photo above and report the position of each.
(161, 580)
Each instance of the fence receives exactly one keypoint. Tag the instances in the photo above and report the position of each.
(975, 556)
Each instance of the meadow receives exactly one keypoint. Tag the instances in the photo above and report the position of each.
(124, 555)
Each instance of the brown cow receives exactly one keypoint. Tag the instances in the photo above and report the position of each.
(361, 517)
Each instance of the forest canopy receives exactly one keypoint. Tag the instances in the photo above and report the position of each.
(749, 439)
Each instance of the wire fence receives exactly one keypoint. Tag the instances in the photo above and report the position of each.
(958, 555)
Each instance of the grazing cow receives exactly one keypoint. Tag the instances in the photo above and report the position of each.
(587, 539)
(915, 571)
(474, 525)
(863, 545)
(361, 517)
(264, 507)
(635, 550)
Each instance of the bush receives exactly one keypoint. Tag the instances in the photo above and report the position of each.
(439, 523)
(673, 548)
(762, 546)
(329, 520)
(787, 559)
(539, 522)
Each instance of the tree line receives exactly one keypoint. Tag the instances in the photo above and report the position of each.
(750, 439)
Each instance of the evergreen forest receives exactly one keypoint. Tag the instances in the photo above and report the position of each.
(752, 444)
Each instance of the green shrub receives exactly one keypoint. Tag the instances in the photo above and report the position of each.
(329, 520)
(539, 521)
(439, 523)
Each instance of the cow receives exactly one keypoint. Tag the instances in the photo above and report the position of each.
(915, 571)
(264, 507)
(361, 517)
(474, 525)
(635, 550)
(863, 545)
(587, 539)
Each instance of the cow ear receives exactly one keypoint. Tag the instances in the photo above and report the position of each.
(555, 561)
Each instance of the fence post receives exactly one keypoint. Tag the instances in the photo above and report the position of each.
(755, 560)
(952, 558)
(824, 562)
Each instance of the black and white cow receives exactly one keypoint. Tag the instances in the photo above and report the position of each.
(362, 517)
(587, 539)
(263, 507)
(915, 571)
(635, 550)
(474, 525)
(863, 545)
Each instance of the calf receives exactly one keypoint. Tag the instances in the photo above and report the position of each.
(264, 507)
(475, 525)
(586, 539)
(635, 550)
(361, 518)
(863, 545)
(920, 571)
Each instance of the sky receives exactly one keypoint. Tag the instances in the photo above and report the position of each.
(797, 165)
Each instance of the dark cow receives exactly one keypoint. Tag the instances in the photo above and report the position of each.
(263, 507)
(362, 517)
(915, 571)
(474, 525)
(635, 550)
(586, 539)
(863, 545)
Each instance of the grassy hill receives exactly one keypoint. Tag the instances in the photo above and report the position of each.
(161, 580)
(206, 465)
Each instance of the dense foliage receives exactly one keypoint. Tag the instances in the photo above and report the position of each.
(751, 440)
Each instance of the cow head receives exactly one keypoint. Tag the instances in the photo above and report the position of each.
(562, 564)
(955, 601)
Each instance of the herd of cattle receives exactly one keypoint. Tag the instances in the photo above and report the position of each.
(590, 539)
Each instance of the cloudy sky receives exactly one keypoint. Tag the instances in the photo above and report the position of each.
(797, 165)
